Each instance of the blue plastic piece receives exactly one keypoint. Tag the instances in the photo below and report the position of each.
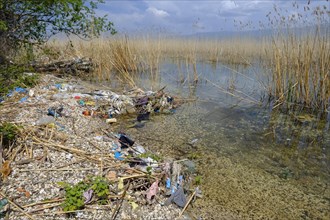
(20, 90)
(10, 94)
(58, 86)
(3, 202)
(168, 183)
(81, 102)
(118, 156)
(53, 112)
(173, 190)
(23, 99)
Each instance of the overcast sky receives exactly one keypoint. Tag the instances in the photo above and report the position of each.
(186, 17)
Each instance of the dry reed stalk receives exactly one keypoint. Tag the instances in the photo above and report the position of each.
(117, 208)
(248, 99)
(61, 169)
(63, 212)
(301, 71)
(188, 202)
(43, 202)
(43, 208)
(129, 56)
(55, 146)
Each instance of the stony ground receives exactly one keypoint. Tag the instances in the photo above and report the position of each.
(69, 149)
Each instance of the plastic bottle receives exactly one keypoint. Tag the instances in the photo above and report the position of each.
(45, 120)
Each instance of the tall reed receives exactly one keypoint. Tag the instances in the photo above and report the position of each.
(300, 70)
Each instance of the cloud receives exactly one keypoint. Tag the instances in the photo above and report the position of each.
(157, 12)
(183, 16)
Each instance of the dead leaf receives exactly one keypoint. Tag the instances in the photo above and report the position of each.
(5, 170)
(129, 172)
(112, 175)
(27, 194)
(20, 190)
(121, 183)
(134, 205)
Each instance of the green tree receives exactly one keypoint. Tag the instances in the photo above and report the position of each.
(35, 21)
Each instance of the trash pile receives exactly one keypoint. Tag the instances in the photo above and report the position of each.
(68, 160)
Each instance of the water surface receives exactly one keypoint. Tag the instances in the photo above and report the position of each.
(255, 163)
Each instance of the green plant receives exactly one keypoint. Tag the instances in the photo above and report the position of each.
(74, 199)
(13, 76)
(194, 155)
(152, 156)
(286, 173)
(33, 22)
(100, 186)
(198, 180)
(149, 169)
(73, 196)
(8, 131)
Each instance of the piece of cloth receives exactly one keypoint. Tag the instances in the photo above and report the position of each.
(143, 117)
(142, 101)
(135, 161)
(178, 198)
(88, 196)
(56, 112)
(152, 191)
(125, 141)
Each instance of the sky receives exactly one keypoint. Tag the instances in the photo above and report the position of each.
(189, 17)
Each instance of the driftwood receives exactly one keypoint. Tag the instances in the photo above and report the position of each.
(72, 66)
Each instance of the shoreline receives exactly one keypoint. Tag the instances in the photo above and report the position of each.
(75, 141)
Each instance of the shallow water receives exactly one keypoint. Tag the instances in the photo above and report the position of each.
(255, 163)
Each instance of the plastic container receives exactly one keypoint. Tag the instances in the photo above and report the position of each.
(111, 120)
(45, 120)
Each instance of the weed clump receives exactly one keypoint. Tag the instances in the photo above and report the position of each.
(8, 133)
(15, 76)
(74, 194)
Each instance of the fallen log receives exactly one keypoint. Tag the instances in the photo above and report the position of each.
(72, 66)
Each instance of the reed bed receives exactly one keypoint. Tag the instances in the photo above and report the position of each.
(300, 71)
(299, 64)
(134, 55)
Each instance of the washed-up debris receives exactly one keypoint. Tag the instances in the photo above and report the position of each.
(73, 66)
(23, 99)
(152, 191)
(16, 90)
(3, 202)
(70, 133)
(45, 120)
(56, 112)
(118, 155)
(88, 196)
(125, 141)
(178, 197)
(111, 120)
(143, 116)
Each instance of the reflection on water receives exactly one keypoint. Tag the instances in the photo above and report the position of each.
(255, 163)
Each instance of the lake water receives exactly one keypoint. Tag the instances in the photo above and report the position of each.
(255, 163)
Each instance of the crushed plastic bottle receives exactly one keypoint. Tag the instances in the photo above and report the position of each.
(45, 120)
